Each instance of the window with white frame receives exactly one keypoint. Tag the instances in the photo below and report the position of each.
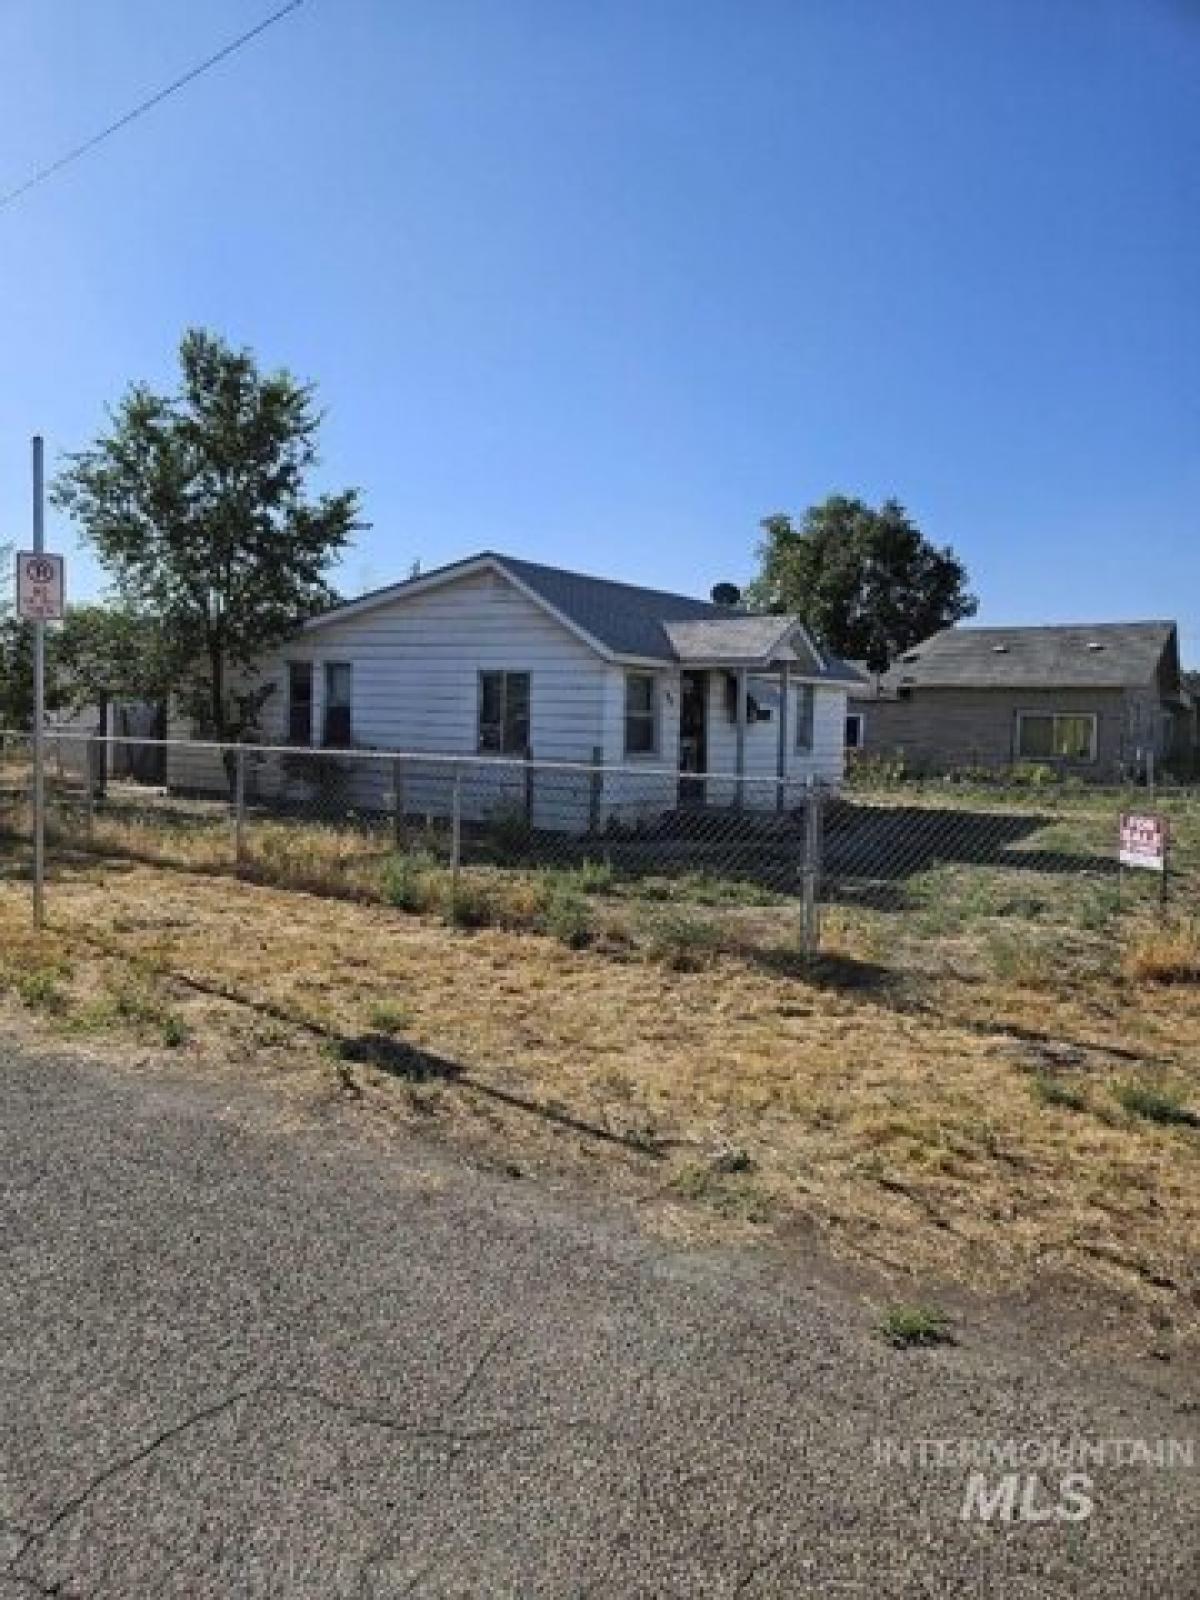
(504, 713)
(641, 714)
(855, 730)
(805, 706)
(338, 731)
(1056, 736)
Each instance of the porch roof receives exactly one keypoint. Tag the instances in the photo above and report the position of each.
(756, 642)
(740, 641)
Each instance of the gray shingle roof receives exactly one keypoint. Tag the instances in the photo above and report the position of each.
(627, 620)
(1099, 655)
(658, 625)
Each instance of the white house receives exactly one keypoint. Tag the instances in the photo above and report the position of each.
(507, 660)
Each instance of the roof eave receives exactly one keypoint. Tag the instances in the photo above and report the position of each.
(1037, 685)
(723, 663)
(762, 664)
(649, 663)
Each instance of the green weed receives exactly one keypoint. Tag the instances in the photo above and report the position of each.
(1053, 1092)
(906, 1326)
(470, 905)
(725, 1189)
(41, 990)
(175, 1031)
(568, 918)
(409, 883)
(387, 1017)
(594, 877)
(683, 942)
(1155, 1105)
(132, 1002)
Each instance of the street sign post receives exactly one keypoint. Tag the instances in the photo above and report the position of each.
(40, 597)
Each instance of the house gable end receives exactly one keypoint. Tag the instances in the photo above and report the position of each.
(417, 588)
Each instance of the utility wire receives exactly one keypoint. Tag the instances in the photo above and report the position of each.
(43, 173)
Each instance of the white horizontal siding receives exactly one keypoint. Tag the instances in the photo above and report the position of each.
(416, 666)
(417, 662)
(824, 762)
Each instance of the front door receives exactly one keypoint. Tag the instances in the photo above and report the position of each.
(693, 737)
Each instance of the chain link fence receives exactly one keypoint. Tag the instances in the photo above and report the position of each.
(582, 849)
(488, 839)
(879, 846)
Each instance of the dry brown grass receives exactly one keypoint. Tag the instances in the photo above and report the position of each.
(902, 1122)
(361, 863)
(1165, 955)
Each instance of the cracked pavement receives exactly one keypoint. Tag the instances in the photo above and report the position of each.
(247, 1359)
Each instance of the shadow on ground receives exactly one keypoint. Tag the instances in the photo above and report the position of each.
(399, 1059)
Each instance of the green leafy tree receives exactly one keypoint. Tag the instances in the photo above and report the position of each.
(868, 583)
(16, 653)
(16, 674)
(197, 504)
(102, 653)
(98, 653)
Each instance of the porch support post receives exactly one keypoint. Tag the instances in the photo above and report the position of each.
(740, 797)
(781, 760)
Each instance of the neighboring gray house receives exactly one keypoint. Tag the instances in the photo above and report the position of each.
(1098, 700)
(496, 657)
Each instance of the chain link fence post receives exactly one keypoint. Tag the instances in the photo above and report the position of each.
(34, 803)
(595, 788)
(455, 836)
(89, 785)
(824, 797)
(398, 804)
(239, 808)
(810, 871)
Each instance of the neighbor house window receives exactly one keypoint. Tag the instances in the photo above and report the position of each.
(641, 714)
(339, 686)
(804, 716)
(300, 702)
(1056, 736)
(854, 730)
(504, 713)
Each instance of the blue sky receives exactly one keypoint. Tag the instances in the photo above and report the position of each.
(605, 284)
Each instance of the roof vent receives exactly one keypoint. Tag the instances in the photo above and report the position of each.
(1000, 649)
(1094, 644)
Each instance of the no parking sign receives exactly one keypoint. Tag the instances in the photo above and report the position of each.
(39, 586)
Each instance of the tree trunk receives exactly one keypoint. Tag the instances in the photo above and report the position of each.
(216, 671)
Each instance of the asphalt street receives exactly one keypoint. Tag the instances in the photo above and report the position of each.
(244, 1355)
